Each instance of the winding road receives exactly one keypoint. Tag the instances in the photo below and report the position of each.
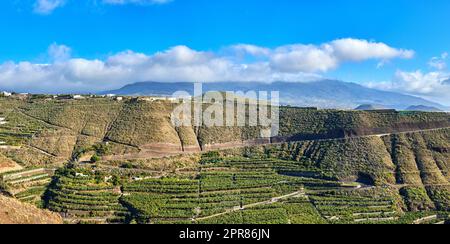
(239, 208)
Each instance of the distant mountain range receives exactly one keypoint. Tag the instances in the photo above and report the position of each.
(423, 108)
(370, 107)
(322, 94)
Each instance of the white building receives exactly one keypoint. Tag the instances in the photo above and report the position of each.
(81, 175)
(78, 97)
(172, 99)
(2, 121)
(6, 94)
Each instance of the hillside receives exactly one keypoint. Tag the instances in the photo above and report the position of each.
(410, 159)
(99, 160)
(42, 132)
(363, 180)
(14, 212)
(323, 94)
(7, 165)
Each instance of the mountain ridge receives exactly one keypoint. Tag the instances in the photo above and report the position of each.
(423, 108)
(322, 94)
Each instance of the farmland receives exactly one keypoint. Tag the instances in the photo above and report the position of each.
(83, 198)
(103, 161)
(41, 132)
(230, 190)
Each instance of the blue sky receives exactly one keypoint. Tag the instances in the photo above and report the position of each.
(66, 38)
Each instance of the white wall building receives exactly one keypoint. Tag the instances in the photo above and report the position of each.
(78, 97)
(6, 94)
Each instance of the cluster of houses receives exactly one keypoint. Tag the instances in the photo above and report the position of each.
(155, 99)
(16, 95)
(82, 97)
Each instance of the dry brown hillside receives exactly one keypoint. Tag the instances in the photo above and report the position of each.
(7, 164)
(14, 212)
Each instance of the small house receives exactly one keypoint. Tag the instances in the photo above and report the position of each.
(6, 94)
(77, 97)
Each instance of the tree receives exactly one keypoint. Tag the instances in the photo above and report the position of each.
(95, 158)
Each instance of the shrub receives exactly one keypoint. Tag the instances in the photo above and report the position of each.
(95, 158)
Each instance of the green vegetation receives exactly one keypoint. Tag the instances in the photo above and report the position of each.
(362, 159)
(332, 122)
(230, 189)
(95, 158)
(302, 211)
(59, 130)
(85, 198)
(221, 185)
(141, 123)
(348, 207)
(333, 173)
(416, 198)
(28, 185)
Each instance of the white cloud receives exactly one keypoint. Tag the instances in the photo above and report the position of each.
(247, 49)
(297, 62)
(304, 58)
(439, 63)
(359, 50)
(59, 53)
(419, 82)
(47, 6)
(128, 58)
(325, 57)
(432, 85)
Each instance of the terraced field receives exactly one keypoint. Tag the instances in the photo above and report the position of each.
(50, 131)
(105, 161)
(221, 187)
(28, 185)
(337, 207)
(242, 190)
(84, 198)
(245, 190)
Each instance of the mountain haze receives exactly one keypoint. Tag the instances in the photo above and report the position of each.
(423, 108)
(322, 94)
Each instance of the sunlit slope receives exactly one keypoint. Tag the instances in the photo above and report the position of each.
(423, 163)
(14, 212)
(52, 131)
(316, 124)
(415, 163)
(141, 123)
(363, 159)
